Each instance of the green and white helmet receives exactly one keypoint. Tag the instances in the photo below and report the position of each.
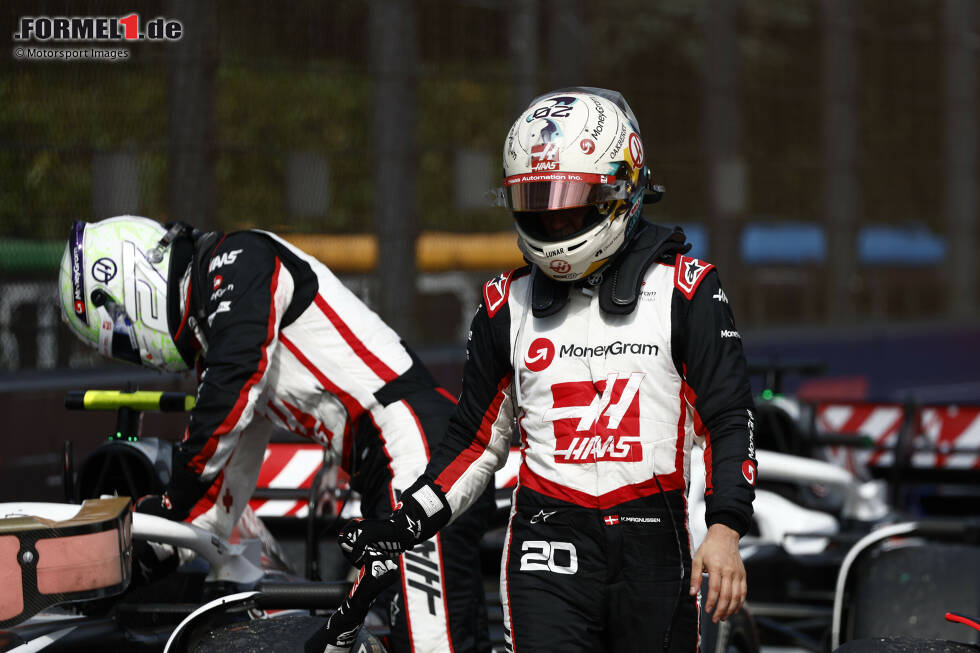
(113, 283)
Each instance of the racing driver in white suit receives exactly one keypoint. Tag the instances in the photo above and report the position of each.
(275, 335)
(615, 353)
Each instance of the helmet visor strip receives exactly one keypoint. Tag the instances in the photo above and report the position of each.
(560, 190)
(117, 337)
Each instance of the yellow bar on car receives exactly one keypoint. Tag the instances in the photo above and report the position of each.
(140, 400)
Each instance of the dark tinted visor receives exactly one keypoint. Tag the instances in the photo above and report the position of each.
(564, 223)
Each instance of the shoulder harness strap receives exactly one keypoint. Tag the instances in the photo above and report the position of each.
(620, 285)
(620, 288)
(547, 295)
(203, 244)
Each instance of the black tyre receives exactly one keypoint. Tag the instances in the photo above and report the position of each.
(906, 592)
(287, 634)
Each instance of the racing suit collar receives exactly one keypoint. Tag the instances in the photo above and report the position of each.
(620, 280)
(186, 285)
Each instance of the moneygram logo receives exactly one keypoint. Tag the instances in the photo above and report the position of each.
(73, 29)
(539, 355)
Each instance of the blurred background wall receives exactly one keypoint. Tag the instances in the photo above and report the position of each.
(823, 153)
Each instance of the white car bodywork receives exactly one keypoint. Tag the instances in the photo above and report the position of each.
(239, 563)
(780, 521)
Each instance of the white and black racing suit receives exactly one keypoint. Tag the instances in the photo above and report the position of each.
(284, 340)
(609, 402)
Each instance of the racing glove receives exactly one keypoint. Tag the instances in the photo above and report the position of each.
(422, 511)
(341, 631)
(158, 505)
(151, 560)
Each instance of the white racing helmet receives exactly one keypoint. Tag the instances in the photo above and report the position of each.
(113, 284)
(570, 148)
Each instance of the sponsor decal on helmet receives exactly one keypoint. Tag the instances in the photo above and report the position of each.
(511, 137)
(587, 145)
(588, 178)
(560, 266)
(539, 355)
(600, 118)
(104, 270)
(77, 278)
(636, 150)
(619, 143)
(544, 157)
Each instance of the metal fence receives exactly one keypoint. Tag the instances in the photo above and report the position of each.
(829, 116)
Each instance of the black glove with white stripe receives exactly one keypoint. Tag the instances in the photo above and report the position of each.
(422, 511)
(340, 633)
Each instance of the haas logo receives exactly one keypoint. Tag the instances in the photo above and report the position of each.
(636, 150)
(597, 421)
(539, 355)
(560, 266)
(544, 157)
(221, 260)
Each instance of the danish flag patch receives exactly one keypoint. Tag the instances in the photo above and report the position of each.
(688, 274)
(495, 292)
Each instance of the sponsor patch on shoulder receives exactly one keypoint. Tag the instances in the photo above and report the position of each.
(688, 274)
(496, 290)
